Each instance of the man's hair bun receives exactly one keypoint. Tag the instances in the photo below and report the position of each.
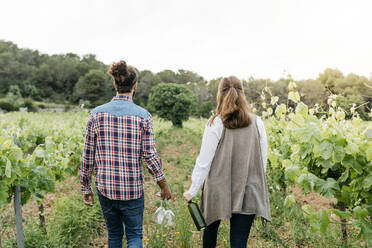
(124, 76)
(119, 71)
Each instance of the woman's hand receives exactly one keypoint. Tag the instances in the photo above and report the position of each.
(187, 196)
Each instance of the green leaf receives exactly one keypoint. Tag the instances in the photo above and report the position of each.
(329, 187)
(15, 155)
(294, 96)
(326, 164)
(351, 148)
(366, 231)
(367, 182)
(302, 109)
(344, 176)
(325, 149)
(369, 153)
(342, 214)
(292, 172)
(324, 221)
(308, 182)
(8, 168)
(338, 154)
(39, 152)
(4, 190)
(345, 196)
(289, 201)
(307, 209)
(350, 161)
(359, 212)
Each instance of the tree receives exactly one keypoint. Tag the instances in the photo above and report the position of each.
(172, 102)
(146, 80)
(329, 77)
(14, 94)
(312, 92)
(167, 76)
(185, 76)
(205, 109)
(92, 87)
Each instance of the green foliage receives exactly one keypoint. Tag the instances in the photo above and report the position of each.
(327, 155)
(55, 78)
(72, 223)
(42, 152)
(29, 104)
(205, 109)
(35, 236)
(352, 103)
(8, 106)
(304, 150)
(172, 102)
(14, 94)
(91, 86)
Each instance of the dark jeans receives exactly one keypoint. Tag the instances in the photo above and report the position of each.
(117, 213)
(240, 226)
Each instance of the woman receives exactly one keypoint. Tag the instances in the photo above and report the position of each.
(232, 165)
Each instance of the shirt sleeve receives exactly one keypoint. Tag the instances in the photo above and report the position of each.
(149, 154)
(263, 141)
(211, 137)
(87, 163)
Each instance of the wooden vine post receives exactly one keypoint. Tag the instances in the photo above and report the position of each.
(18, 211)
(18, 215)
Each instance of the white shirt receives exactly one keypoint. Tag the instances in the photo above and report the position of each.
(211, 137)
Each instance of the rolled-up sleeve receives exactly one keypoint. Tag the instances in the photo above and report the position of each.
(88, 159)
(149, 154)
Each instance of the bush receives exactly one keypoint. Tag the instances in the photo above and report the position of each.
(7, 106)
(172, 102)
(30, 105)
(41, 106)
(205, 109)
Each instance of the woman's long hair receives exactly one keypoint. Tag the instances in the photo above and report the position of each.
(232, 106)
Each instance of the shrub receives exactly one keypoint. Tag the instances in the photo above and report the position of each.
(8, 106)
(172, 102)
(41, 106)
(205, 109)
(30, 105)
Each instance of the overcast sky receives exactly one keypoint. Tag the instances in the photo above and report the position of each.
(259, 38)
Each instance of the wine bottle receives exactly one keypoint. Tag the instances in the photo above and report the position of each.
(196, 216)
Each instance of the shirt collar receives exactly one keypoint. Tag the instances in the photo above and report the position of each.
(122, 97)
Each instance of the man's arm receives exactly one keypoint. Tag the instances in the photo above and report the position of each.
(87, 162)
(152, 159)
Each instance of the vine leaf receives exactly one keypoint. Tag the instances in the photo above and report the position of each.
(329, 187)
(367, 182)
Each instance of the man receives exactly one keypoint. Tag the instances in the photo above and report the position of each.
(118, 136)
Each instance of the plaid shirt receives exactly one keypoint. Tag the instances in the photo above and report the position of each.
(118, 136)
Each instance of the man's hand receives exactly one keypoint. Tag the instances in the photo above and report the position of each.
(88, 199)
(165, 193)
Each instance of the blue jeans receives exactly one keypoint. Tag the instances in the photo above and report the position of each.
(240, 227)
(117, 213)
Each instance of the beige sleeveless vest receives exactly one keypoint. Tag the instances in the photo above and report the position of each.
(236, 182)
